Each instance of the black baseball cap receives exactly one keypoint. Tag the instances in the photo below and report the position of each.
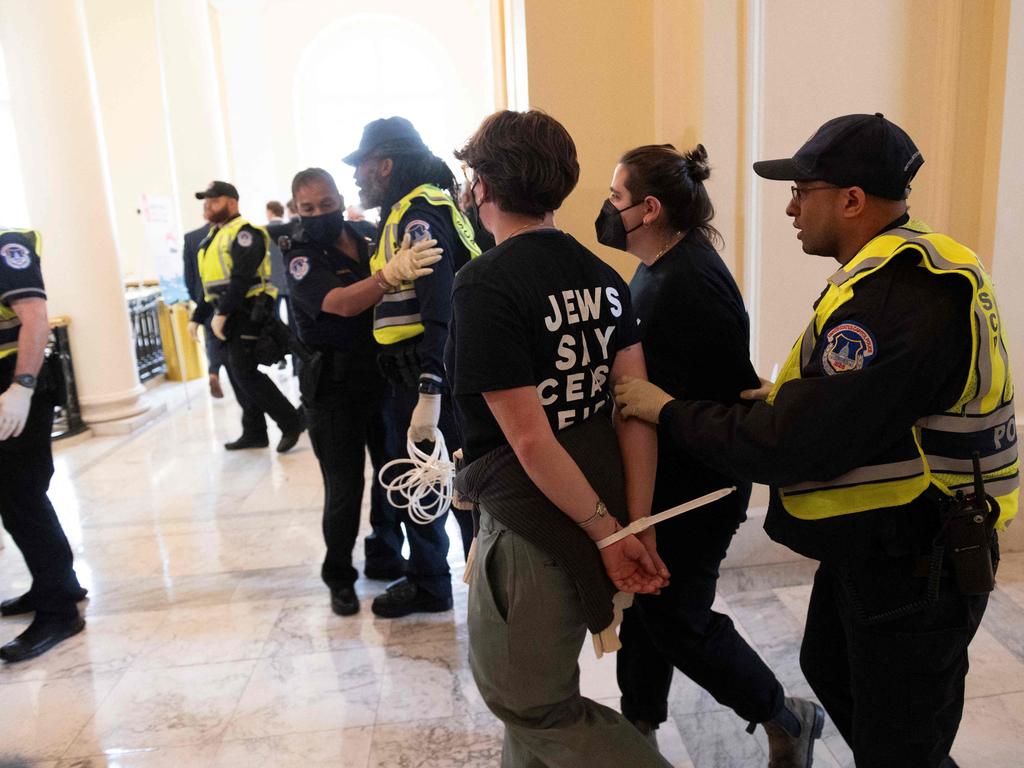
(865, 151)
(388, 133)
(218, 189)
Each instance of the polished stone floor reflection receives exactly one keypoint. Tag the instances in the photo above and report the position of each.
(210, 640)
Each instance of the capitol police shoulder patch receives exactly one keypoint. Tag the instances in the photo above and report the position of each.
(417, 230)
(848, 347)
(244, 238)
(299, 267)
(16, 256)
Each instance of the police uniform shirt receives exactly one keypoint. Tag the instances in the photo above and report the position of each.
(537, 310)
(314, 271)
(898, 351)
(696, 338)
(424, 221)
(21, 277)
(247, 253)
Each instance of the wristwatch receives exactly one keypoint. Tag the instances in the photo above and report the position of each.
(429, 388)
(27, 380)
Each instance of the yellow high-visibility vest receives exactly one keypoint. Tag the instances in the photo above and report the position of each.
(215, 262)
(10, 325)
(937, 450)
(397, 316)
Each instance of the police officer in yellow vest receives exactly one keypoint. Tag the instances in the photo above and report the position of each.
(866, 438)
(29, 389)
(234, 265)
(396, 172)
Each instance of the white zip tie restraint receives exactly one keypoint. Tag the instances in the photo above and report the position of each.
(643, 523)
(425, 489)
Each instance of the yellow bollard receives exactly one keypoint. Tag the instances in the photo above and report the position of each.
(175, 317)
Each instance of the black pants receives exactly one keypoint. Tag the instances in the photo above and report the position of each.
(26, 466)
(256, 393)
(428, 544)
(895, 690)
(343, 424)
(678, 628)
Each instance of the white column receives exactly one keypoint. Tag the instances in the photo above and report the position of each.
(243, 56)
(53, 100)
(134, 123)
(193, 104)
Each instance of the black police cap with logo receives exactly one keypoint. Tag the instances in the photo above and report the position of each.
(387, 134)
(865, 151)
(218, 189)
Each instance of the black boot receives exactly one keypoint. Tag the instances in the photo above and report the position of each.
(792, 732)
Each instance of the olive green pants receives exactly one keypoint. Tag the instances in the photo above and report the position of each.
(526, 630)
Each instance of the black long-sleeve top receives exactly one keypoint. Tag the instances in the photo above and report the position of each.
(696, 338)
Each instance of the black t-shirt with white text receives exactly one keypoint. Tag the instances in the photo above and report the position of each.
(537, 310)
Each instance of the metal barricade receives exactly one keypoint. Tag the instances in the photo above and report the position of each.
(67, 419)
(145, 320)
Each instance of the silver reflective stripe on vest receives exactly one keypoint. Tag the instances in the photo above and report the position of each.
(387, 322)
(991, 463)
(6, 325)
(807, 343)
(870, 474)
(399, 296)
(968, 423)
(8, 345)
(984, 330)
(842, 275)
(998, 487)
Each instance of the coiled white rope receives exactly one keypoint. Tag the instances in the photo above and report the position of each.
(425, 489)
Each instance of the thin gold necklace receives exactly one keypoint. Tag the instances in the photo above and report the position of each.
(668, 244)
(524, 228)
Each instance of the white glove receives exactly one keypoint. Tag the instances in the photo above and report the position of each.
(193, 330)
(14, 405)
(424, 418)
(217, 326)
(411, 261)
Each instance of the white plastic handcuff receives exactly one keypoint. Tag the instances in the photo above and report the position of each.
(643, 523)
(425, 489)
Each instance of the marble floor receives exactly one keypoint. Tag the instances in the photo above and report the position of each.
(210, 640)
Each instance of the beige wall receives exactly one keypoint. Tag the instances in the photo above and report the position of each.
(599, 88)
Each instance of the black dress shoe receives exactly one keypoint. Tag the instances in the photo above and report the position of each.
(246, 441)
(344, 600)
(290, 438)
(41, 635)
(385, 572)
(403, 597)
(22, 604)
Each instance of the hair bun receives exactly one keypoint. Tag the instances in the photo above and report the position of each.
(697, 167)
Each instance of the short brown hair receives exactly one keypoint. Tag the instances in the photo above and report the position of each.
(275, 208)
(528, 160)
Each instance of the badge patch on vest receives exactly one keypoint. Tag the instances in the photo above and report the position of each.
(848, 347)
(417, 230)
(299, 267)
(16, 256)
(244, 238)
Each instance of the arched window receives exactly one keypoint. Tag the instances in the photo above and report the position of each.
(371, 65)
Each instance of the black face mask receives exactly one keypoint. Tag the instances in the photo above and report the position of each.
(610, 229)
(324, 229)
(484, 238)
